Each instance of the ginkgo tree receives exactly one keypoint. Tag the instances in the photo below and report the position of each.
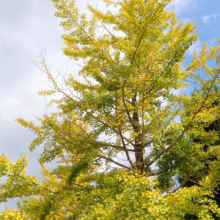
(125, 132)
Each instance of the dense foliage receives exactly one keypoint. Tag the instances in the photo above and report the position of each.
(125, 134)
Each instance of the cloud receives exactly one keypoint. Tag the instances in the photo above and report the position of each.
(196, 46)
(7, 107)
(23, 26)
(180, 6)
(206, 18)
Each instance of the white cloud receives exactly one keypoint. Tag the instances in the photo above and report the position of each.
(14, 37)
(196, 46)
(206, 18)
(8, 108)
(179, 5)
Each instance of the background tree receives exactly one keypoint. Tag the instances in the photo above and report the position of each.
(194, 180)
(125, 113)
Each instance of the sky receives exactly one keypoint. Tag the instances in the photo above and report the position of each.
(29, 25)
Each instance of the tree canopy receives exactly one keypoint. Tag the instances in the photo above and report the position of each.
(125, 128)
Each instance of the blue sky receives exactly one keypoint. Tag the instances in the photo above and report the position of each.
(206, 14)
(26, 25)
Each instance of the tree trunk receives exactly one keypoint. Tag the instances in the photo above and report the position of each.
(138, 142)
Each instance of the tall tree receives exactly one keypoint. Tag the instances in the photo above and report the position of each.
(123, 119)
